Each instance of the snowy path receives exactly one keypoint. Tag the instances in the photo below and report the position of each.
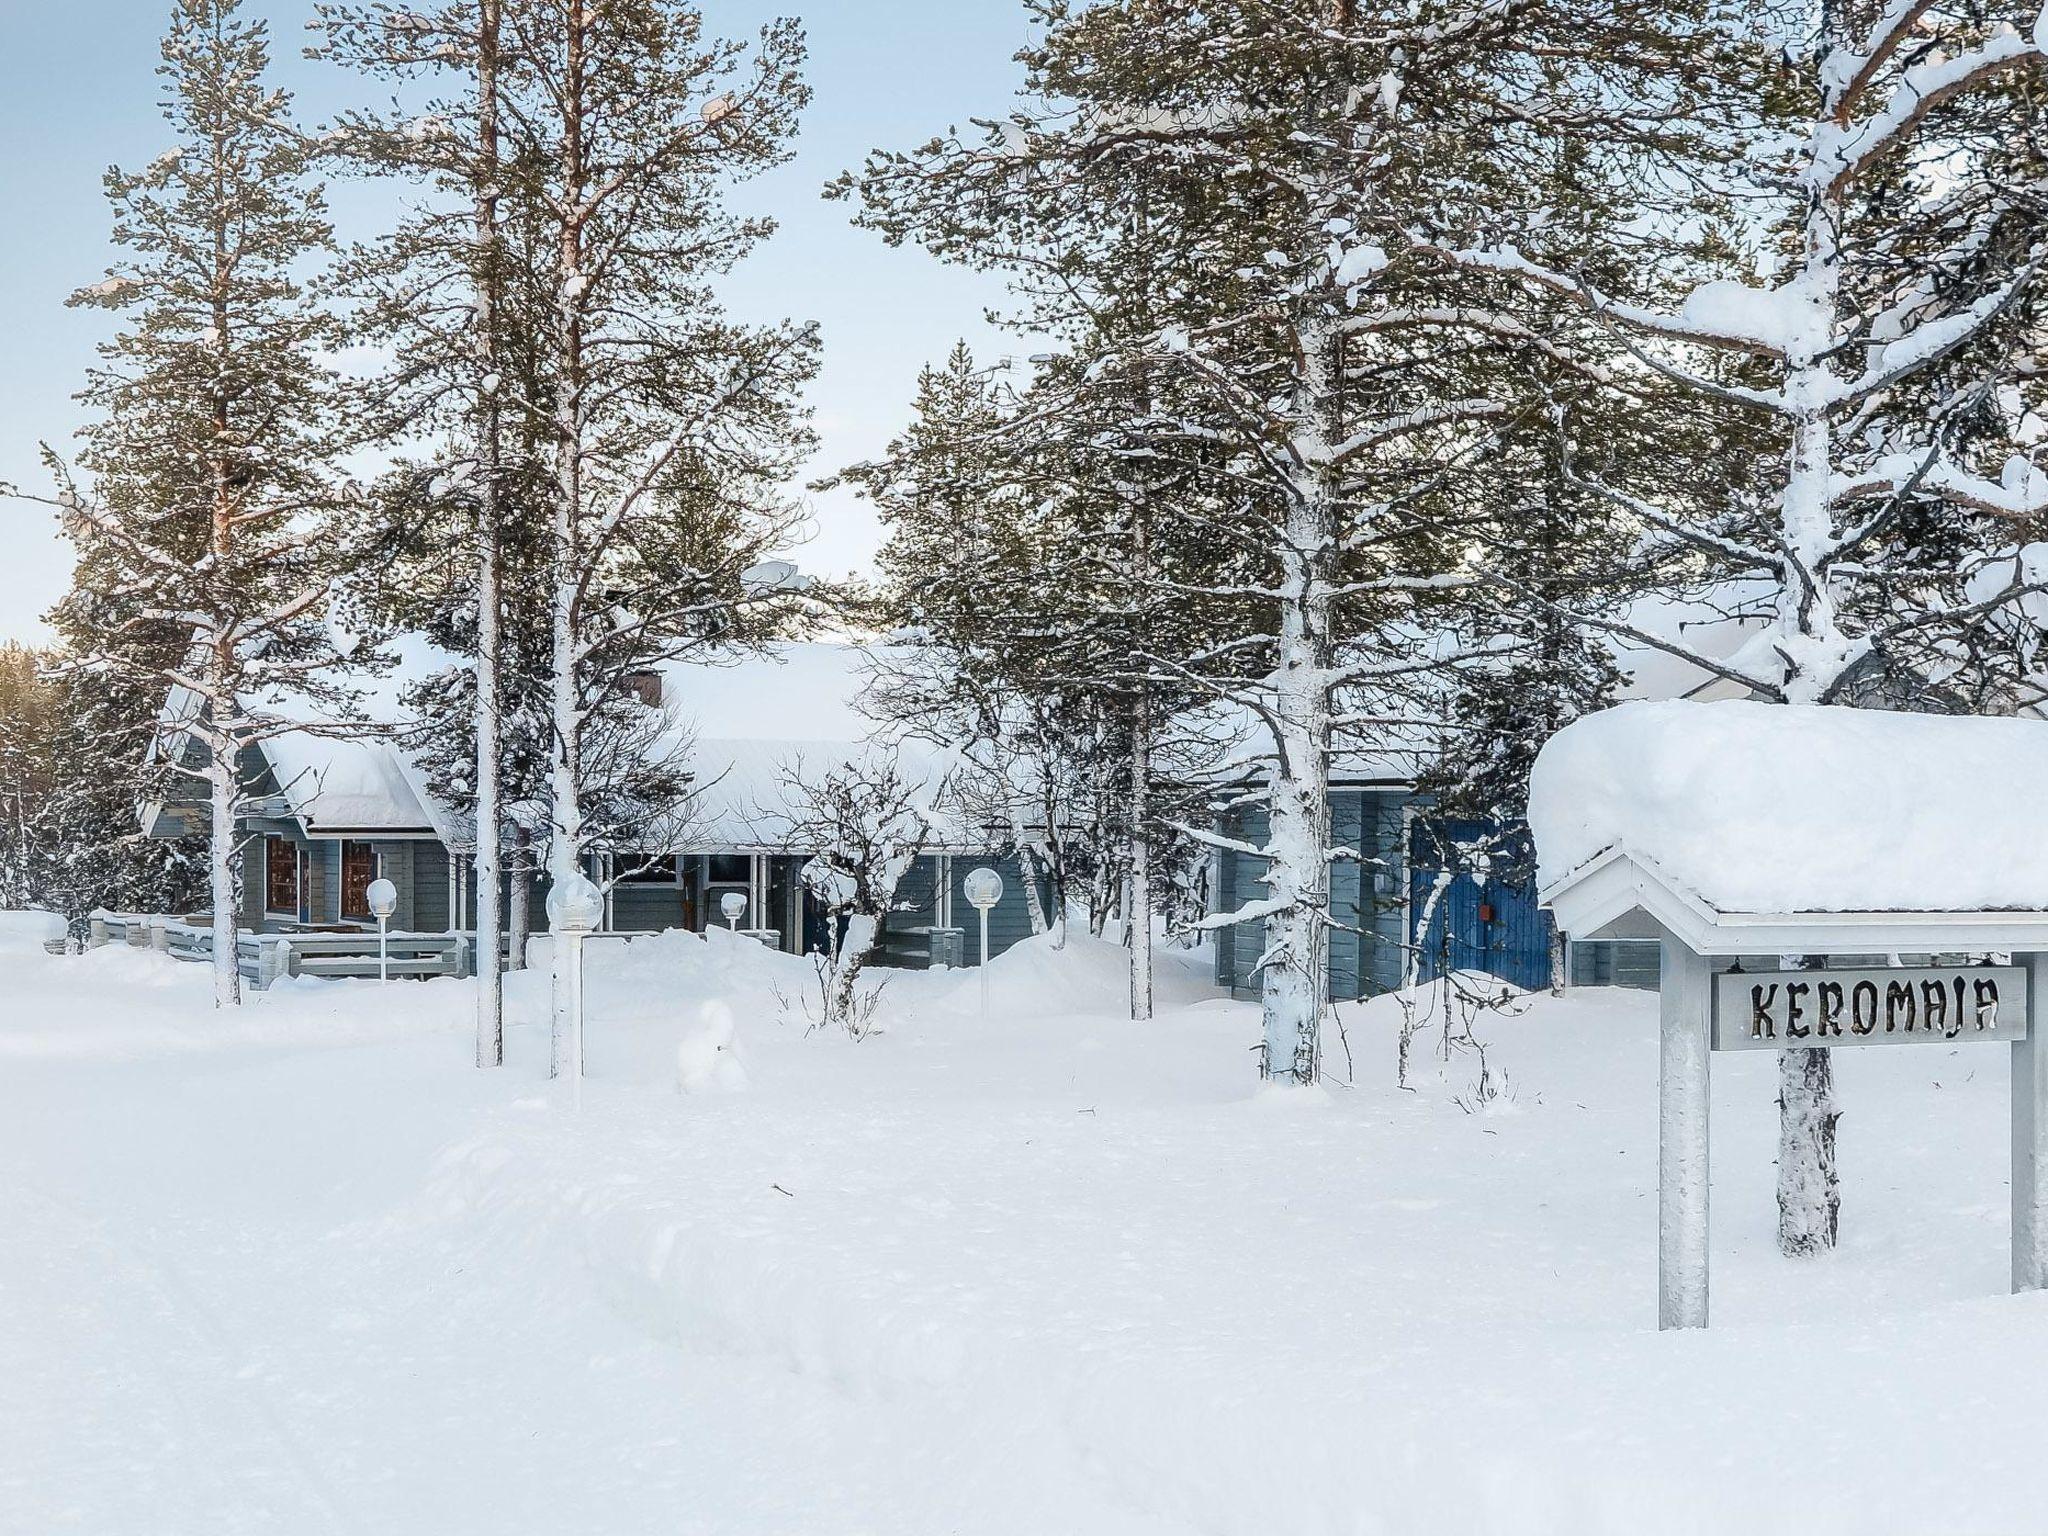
(1048, 1274)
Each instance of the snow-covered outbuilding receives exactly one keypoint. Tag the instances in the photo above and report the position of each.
(332, 809)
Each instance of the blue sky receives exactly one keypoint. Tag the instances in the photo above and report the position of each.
(78, 92)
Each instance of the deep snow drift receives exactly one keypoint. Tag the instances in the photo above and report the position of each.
(306, 1270)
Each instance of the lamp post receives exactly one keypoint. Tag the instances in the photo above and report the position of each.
(383, 898)
(984, 888)
(575, 908)
(734, 905)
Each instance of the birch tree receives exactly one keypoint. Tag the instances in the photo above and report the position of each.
(865, 822)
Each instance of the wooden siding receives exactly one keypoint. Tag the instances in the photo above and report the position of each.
(1365, 947)
(429, 888)
(1009, 920)
(1615, 963)
(642, 908)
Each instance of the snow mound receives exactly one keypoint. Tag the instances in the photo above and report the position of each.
(708, 1059)
(29, 929)
(1802, 808)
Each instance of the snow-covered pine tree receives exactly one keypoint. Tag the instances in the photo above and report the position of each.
(1871, 339)
(672, 426)
(1288, 148)
(73, 744)
(959, 571)
(1098, 440)
(205, 532)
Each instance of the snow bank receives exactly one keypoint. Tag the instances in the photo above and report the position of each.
(1802, 808)
(29, 929)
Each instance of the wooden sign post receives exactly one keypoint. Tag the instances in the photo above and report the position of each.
(1704, 1010)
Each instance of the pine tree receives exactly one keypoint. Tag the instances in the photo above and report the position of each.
(205, 534)
(74, 774)
(1315, 380)
(672, 426)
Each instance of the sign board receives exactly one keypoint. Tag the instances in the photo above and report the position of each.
(1899, 1005)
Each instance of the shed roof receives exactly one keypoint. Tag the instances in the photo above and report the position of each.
(1746, 827)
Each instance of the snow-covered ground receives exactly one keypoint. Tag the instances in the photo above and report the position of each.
(304, 1269)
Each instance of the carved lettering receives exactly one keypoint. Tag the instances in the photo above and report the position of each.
(1898, 1001)
(1829, 996)
(1761, 1025)
(1862, 1014)
(1794, 1030)
(1987, 1003)
(1934, 1009)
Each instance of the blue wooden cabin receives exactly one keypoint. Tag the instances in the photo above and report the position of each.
(324, 816)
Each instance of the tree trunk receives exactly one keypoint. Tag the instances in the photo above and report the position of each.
(1294, 971)
(490, 999)
(222, 777)
(565, 854)
(519, 923)
(1028, 870)
(1138, 915)
(1809, 1193)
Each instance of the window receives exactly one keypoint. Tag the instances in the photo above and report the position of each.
(358, 869)
(731, 869)
(280, 876)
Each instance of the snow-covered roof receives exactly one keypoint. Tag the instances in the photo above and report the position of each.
(1726, 814)
(750, 726)
(1714, 625)
(807, 691)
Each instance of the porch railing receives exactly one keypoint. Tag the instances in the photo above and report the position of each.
(262, 958)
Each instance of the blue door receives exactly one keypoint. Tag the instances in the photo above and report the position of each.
(1473, 923)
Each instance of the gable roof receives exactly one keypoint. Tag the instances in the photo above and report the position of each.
(748, 726)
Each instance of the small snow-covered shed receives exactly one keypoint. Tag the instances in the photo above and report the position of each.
(1760, 829)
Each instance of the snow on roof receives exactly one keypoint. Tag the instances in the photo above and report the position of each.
(1714, 625)
(1771, 808)
(806, 691)
(752, 724)
(339, 785)
(359, 782)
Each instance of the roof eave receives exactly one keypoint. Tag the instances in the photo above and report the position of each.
(1609, 887)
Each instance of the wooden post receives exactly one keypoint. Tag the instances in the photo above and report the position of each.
(2030, 1137)
(1683, 1095)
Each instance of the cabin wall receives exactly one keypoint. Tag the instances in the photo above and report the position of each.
(1616, 963)
(1366, 913)
(638, 907)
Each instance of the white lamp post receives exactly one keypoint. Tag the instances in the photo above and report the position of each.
(734, 905)
(383, 898)
(984, 889)
(575, 908)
